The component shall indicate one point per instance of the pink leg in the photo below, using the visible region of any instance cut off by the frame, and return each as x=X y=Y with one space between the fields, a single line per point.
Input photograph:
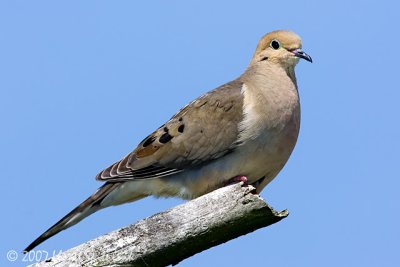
x=237 y=179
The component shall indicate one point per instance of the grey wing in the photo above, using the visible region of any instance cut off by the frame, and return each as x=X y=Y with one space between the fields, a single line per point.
x=204 y=130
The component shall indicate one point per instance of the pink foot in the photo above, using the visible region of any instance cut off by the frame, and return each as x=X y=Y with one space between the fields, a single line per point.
x=237 y=179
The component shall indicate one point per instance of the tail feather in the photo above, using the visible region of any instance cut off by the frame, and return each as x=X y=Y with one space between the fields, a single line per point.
x=87 y=207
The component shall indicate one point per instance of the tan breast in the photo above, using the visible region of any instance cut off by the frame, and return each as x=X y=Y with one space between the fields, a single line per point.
x=271 y=122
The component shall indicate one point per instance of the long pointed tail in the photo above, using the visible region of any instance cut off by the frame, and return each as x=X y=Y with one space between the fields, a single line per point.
x=87 y=207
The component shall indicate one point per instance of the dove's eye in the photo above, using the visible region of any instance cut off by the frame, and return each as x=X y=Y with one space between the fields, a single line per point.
x=275 y=44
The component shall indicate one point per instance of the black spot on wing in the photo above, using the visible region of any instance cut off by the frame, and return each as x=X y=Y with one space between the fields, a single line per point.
x=149 y=141
x=165 y=138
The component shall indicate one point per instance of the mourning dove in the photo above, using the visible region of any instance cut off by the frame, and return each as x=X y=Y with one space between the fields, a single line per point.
x=244 y=130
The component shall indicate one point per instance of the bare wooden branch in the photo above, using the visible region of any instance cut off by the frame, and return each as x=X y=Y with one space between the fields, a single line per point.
x=176 y=234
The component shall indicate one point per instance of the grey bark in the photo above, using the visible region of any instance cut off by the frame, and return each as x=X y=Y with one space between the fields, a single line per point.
x=169 y=237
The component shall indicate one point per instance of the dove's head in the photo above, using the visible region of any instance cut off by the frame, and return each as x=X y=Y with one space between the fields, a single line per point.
x=281 y=47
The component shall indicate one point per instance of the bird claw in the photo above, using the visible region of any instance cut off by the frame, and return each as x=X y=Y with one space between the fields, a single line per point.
x=237 y=179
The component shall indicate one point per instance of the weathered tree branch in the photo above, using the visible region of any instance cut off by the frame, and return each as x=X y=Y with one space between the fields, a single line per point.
x=176 y=234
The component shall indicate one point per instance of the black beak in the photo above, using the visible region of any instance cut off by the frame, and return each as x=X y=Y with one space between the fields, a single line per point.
x=301 y=54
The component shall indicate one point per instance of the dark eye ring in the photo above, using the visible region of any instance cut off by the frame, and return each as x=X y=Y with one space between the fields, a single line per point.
x=275 y=44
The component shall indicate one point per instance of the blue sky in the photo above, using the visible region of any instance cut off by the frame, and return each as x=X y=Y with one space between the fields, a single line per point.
x=83 y=82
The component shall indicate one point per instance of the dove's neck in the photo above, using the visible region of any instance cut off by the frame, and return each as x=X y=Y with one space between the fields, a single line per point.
x=271 y=76
x=268 y=68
